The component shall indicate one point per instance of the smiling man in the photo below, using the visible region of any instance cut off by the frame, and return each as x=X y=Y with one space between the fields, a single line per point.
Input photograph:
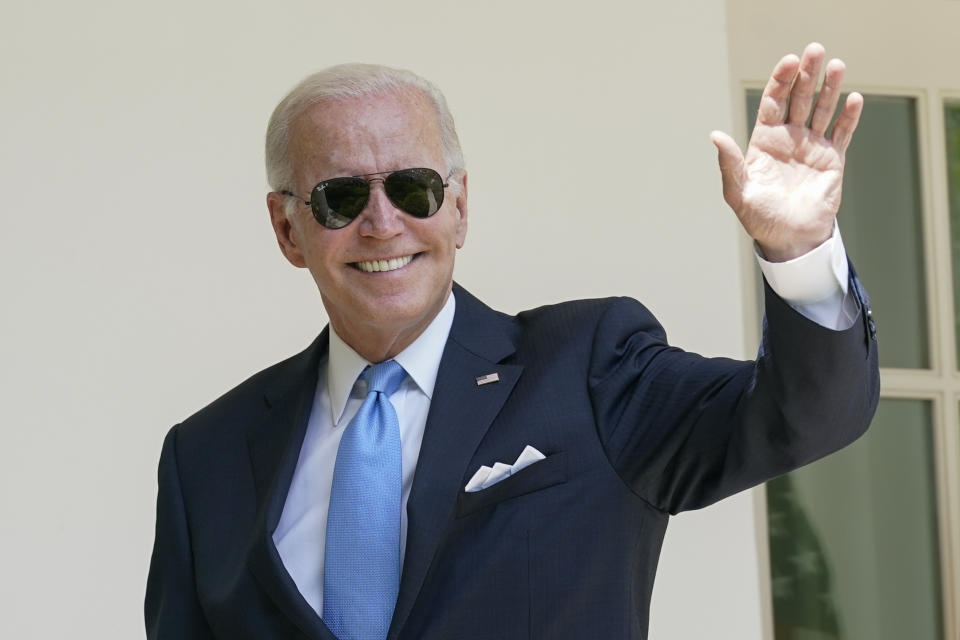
x=430 y=468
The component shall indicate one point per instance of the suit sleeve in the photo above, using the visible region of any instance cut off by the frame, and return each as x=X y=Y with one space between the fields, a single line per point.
x=171 y=608
x=684 y=431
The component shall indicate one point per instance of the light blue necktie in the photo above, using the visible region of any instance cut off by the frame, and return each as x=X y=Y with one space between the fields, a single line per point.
x=361 y=577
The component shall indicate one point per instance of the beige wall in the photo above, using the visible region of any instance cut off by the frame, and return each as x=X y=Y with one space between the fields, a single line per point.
x=886 y=43
x=141 y=279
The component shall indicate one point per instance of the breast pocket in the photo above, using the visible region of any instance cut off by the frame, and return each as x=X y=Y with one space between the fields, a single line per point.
x=542 y=474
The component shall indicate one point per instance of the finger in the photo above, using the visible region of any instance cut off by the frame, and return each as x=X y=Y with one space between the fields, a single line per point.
x=730 y=159
x=805 y=84
x=847 y=122
x=773 y=102
x=829 y=95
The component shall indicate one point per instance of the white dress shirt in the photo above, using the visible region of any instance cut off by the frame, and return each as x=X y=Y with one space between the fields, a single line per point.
x=814 y=284
x=301 y=534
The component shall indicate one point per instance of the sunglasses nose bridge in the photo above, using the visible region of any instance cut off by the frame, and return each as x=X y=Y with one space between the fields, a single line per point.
x=371 y=189
x=380 y=217
x=375 y=193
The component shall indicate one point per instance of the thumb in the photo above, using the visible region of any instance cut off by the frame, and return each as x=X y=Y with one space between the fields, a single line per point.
x=731 y=168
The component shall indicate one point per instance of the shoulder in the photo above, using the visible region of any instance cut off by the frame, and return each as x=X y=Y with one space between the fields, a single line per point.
x=582 y=328
x=598 y=318
x=570 y=315
x=255 y=395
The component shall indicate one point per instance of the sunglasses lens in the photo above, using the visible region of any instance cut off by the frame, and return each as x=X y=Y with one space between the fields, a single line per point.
x=338 y=201
x=419 y=192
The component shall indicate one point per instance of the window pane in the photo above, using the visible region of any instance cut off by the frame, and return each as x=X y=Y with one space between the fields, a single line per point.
x=951 y=117
x=880 y=219
x=853 y=537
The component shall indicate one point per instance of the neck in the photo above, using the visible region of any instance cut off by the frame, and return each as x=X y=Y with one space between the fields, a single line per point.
x=375 y=347
x=376 y=343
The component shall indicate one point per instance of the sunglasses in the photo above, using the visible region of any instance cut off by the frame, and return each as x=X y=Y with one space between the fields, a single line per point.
x=337 y=201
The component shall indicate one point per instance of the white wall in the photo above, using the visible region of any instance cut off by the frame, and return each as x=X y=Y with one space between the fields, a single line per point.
x=140 y=277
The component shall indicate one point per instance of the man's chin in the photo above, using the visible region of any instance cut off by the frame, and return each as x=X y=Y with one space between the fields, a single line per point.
x=385 y=314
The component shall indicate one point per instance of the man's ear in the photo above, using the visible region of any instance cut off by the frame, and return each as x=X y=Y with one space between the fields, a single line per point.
x=287 y=236
x=461 y=205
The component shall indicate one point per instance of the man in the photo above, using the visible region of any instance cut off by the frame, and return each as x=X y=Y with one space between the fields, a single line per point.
x=492 y=476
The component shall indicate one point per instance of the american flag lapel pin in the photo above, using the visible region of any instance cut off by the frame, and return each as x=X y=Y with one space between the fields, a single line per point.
x=487 y=379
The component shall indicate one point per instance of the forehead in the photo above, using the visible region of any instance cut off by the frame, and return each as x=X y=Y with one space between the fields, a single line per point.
x=381 y=132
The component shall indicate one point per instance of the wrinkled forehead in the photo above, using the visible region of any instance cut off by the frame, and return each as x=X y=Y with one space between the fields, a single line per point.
x=379 y=132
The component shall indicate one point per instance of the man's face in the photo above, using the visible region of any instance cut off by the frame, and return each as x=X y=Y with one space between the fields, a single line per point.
x=377 y=313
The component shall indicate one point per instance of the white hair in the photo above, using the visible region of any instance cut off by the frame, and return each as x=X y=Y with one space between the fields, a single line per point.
x=350 y=81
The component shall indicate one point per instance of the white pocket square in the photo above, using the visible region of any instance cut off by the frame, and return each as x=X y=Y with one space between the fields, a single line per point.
x=487 y=476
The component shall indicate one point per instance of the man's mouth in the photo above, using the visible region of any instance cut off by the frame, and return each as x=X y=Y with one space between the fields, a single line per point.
x=374 y=266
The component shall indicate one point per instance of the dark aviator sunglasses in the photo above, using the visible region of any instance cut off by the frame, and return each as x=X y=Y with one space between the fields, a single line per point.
x=337 y=201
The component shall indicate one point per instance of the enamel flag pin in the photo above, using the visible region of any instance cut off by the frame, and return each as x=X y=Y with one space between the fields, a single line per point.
x=487 y=379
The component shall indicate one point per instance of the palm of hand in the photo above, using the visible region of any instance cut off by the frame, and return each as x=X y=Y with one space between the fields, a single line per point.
x=792 y=184
x=786 y=190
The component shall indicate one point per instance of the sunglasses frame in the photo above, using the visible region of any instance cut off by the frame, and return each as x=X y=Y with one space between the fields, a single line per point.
x=323 y=184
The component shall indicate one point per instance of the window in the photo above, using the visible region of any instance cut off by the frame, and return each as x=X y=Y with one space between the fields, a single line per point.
x=860 y=542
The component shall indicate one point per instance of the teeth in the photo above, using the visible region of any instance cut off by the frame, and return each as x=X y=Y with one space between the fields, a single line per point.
x=372 y=266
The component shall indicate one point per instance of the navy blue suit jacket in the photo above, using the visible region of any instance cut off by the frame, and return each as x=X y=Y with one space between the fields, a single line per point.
x=633 y=430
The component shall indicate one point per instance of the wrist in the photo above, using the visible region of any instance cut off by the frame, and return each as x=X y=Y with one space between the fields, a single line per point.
x=792 y=250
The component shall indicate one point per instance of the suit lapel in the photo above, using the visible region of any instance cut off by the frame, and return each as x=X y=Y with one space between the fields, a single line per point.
x=461 y=411
x=274 y=445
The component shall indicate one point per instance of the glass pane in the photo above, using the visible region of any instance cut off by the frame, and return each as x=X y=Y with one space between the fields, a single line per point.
x=951 y=117
x=853 y=537
x=880 y=219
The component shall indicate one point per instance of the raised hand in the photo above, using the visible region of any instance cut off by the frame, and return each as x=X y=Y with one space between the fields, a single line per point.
x=786 y=189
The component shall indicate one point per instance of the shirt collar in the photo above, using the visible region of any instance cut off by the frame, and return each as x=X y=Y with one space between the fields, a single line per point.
x=421 y=360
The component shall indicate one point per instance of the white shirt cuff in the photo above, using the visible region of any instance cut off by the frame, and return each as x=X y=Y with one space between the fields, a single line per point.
x=815 y=284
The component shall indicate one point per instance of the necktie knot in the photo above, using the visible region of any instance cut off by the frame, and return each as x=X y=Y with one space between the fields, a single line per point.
x=384 y=377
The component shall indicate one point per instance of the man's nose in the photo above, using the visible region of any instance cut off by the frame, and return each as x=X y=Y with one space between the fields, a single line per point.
x=380 y=218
